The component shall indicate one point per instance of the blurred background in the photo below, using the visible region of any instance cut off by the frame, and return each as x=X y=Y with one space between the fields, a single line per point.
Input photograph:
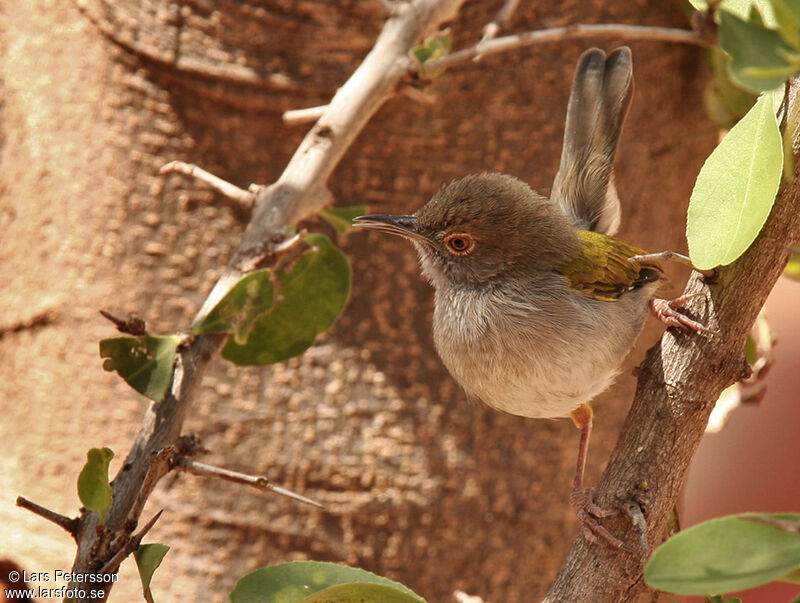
x=418 y=484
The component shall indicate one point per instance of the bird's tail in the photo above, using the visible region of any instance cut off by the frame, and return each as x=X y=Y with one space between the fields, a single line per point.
x=584 y=186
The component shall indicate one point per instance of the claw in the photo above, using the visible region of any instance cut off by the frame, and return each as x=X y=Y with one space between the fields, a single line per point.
x=588 y=512
x=667 y=312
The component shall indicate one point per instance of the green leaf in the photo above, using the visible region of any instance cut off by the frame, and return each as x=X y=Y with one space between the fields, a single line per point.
x=735 y=189
x=433 y=47
x=362 y=592
x=148 y=558
x=310 y=298
x=723 y=555
x=341 y=218
x=144 y=361
x=236 y=313
x=297 y=581
x=93 y=487
x=743 y=9
x=725 y=102
x=787 y=19
x=760 y=58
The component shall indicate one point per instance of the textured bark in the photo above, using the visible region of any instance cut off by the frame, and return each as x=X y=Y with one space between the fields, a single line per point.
x=367 y=422
x=679 y=382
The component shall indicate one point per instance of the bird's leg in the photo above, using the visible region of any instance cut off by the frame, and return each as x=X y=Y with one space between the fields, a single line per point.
x=581 y=499
x=667 y=312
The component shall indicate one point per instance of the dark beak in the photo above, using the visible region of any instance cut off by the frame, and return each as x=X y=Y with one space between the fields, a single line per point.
x=397 y=225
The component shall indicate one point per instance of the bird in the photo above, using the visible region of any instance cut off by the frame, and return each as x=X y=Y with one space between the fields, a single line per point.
x=536 y=303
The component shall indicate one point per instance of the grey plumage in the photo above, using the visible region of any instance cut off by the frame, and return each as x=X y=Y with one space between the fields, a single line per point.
x=584 y=185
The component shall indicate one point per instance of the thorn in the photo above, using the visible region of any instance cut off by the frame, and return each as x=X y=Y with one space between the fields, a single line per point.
x=133 y=325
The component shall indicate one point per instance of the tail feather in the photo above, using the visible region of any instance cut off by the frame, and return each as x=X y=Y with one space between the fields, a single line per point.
x=601 y=93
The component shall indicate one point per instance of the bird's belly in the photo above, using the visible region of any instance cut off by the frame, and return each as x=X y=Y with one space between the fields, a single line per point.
x=537 y=369
x=531 y=386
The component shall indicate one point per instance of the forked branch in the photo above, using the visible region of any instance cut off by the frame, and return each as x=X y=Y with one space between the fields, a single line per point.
x=679 y=382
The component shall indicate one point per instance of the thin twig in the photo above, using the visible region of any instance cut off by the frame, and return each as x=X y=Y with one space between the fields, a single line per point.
x=133 y=543
x=417 y=95
x=295 y=117
x=300 y=192
x=181 y=463
x=490 y=30
x=634 y=511
x=569 y=32
x=70 y=524
x=244 y=199
x=157 y=468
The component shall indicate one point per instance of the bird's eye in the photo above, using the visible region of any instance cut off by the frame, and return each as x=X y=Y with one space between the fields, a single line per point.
x=459 y=243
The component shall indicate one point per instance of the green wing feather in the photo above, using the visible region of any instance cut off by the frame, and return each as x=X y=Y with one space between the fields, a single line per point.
x=602 y=269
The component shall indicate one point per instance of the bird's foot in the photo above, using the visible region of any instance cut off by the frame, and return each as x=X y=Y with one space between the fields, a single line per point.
x=667 y=312
x=588 y=512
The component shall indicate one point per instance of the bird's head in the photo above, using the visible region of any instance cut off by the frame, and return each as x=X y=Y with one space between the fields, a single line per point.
x=483 y=228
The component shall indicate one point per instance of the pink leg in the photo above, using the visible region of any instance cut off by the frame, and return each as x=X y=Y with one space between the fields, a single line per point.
x=581 y=499
x=667 y=312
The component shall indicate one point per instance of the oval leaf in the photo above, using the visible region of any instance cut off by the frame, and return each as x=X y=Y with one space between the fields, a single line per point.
x=341 y=218
x=296 y=581
x=148 y=558
x=236 y=313
x=145 y=362
x=93 y=487
x=735 y=189
x=309 y=300
x=723 y=555
x=362 y=592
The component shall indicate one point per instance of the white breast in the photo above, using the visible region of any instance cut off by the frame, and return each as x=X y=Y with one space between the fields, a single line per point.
x=534 y=354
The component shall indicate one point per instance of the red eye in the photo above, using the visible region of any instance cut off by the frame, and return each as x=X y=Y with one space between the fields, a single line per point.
x=459 y=243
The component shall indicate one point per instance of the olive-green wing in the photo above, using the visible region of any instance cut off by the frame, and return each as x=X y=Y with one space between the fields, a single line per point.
x=602 y=269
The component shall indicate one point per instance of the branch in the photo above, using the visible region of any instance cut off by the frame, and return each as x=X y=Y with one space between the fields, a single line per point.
x=295 y=117
x=300 y=192
x=181 y=463
x=502 y=18
x=569 y=32
x=679 y=381
x=70 y=524
x=112 y=565
x=243 y=198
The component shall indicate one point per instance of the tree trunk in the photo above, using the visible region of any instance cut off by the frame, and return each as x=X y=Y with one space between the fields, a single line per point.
x=418 y=485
